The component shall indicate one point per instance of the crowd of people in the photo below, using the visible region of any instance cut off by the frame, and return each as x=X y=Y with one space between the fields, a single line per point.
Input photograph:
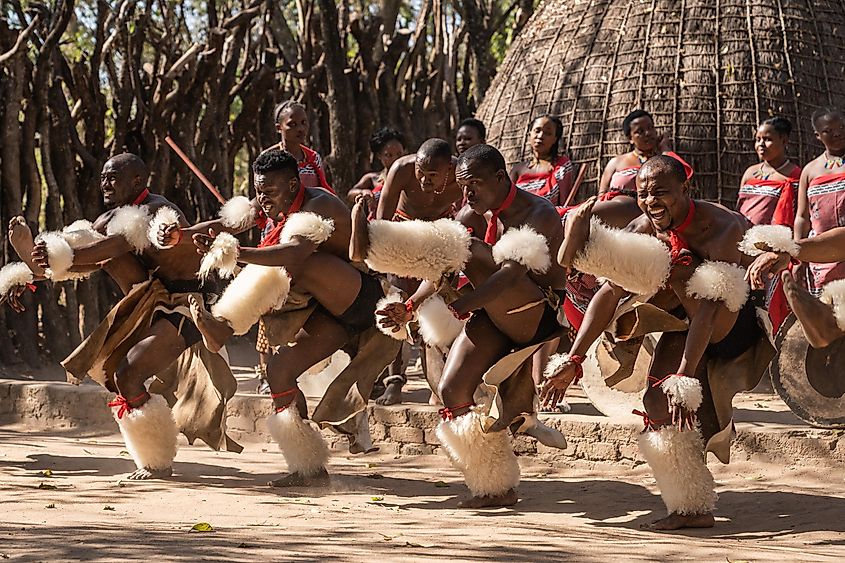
x=497 y=275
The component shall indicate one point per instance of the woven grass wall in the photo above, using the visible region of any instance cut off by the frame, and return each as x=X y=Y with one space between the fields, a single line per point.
x=708 y=70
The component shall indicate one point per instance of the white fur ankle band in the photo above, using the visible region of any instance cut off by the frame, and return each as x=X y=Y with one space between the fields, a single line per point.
x=765 y=238
x=833 y=294
x=164 y=217
x=222 y=256
x=13 y=275
x=132 y=222
x=149 y=432
x=682 y=391
x=302 y=446
x=423 y=250
x=636 y=262
x=305 y=224
x=719 y=281
x=237 y=213
x=524 y=246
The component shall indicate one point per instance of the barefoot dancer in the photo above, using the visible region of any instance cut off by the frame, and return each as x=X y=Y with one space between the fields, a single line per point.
x=309 y=248
x=821 y=192
x=471 y=132
x=146 y=332
x=419 y=186
x=722 y=326
x=513 y=306
x=823 y=317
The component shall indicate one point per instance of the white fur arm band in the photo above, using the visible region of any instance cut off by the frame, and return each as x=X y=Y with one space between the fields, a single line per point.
x=833 y=294
x=393 y=296
x=132 y=223
x=769 y=238
x=682 y=391
x=222 y=256
x=59 y=255
x=237 y=213
x=524 y=246
x=423 y=250
x=719 y=281
x=13 y=275
x=636 y=262
x=164 y=217
x=316 y=228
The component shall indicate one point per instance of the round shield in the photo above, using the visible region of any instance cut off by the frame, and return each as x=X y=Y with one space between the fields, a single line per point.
x=616 y=374
x=809 y=380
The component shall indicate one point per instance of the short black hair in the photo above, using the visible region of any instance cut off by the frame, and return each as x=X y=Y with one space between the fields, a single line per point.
x=824 y=112
x=130 y=162
x=665 y=163
x=380 y=138
x=285 y=106
x=781 y=125
x=434 y=149
x=476 y=124
x=485 y=155
x=275 y=160
x=558 y=132
x=629 y=119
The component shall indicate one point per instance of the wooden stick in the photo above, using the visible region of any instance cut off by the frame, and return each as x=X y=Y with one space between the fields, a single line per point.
x=581 y=172
x=194 y=169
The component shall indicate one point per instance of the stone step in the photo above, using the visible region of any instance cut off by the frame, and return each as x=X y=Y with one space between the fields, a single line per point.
x=409 y=429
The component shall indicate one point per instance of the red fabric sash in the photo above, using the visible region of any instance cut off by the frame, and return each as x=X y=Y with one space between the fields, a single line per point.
x=827 y=178
x=272 y=237
x=677 y=244
x=492 y=234
x=311 y=158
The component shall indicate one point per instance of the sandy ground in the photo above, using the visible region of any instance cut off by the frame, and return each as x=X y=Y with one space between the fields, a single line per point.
x=388 y=508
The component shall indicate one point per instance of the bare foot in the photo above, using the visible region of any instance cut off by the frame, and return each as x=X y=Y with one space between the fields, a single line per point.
x=392 y=394
x=145 y=473
x=215 y=332
x=543 y=433
x=20 y=236
x=576 y=233
x=434 y=400
x=509 y=498
x=677 y=521
x=815 y=317
x=321 y=479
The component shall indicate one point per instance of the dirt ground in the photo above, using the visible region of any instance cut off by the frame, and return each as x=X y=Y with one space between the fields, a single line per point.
x=63 y=499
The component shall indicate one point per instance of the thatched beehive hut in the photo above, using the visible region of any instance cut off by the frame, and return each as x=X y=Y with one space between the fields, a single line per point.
x=708 y=70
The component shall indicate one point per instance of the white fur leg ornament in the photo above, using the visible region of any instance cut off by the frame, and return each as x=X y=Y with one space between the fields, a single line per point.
x=524 y=246
x=81 y=233
x=438 y=326
x=683 y=391
x=150 y=433
x=393 y=297
x=486 y=459
x=768 y=238
x=255 y=291
x=636 y=262
x=423 y=250
x=164 y=217
x=238 y=213
x=222 y=256
x=677 y=460
x=305 y=224
x=833 y=294
x=59 y=256
x=304 y=449
x=13 y=275
x=719 y=281
x=132 y=223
